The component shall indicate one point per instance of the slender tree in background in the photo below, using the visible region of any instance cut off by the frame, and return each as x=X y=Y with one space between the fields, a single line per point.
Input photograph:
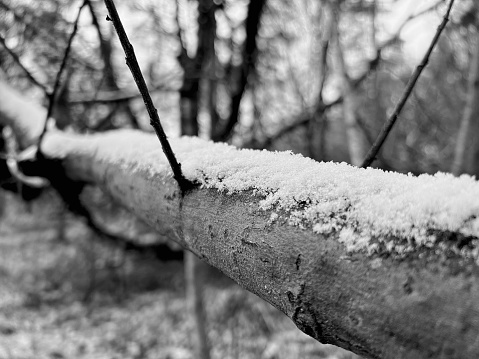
x=241 y=73
x=199 y=83
x=354 y=138
x=193 y=73
x=110 y=73
x=470 y=112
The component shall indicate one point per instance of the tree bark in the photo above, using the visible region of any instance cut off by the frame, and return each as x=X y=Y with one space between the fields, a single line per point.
x=423 y=305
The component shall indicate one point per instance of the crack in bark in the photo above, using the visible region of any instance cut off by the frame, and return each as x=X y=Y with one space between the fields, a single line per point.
x=298 y=261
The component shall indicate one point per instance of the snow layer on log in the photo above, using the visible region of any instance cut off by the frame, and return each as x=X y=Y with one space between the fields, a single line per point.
x=14 y=107
x=369 y=208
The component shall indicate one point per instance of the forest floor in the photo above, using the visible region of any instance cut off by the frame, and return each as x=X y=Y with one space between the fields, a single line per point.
x=74 y=297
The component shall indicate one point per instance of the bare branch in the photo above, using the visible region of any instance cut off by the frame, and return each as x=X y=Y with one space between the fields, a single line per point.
x=52 y=96
x=19 y=63
x=180 y=33
x=255 y=9
x=374 y=62
x=109 y=70
x=371 y=156
x=155 y=122
x=114 y=96
x=302 y=119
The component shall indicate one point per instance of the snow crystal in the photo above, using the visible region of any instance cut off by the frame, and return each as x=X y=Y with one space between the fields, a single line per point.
x=363 y=206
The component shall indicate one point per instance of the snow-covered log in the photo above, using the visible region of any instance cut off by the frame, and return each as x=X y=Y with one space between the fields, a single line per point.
x=382 y=264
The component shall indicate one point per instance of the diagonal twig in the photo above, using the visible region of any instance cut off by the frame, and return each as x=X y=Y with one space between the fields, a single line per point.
x=52 y=95
x=373 y=151
x=19 y=63
x=132 y=63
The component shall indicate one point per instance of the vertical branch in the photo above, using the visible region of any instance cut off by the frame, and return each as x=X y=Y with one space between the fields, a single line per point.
x=255 y=9
x=373 y=151
x=374 y=90
x=195 y=303
x=319 y=115
x=378 y=110
x=109 y=70
x=105 y=49
x=135 y=70
x=53 y=95
x=325 y=42
x=469 y=110
x=183 y=52
x=195 y=69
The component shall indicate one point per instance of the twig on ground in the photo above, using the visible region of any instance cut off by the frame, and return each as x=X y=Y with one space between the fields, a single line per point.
x=373 y=151
x=52 y=95
x=132 y=63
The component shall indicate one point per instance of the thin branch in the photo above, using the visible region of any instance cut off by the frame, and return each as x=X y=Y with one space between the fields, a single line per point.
x=134 y=67
x=371 y=156
x=302 y=119
x=323 y=63
x=19 y=63
x=105 y=50
x=114 y=96
x=374 y=62
x=370 y=140
x=52 y=96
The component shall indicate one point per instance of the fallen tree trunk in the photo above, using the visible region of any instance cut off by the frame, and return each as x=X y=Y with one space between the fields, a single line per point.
x=382 y=264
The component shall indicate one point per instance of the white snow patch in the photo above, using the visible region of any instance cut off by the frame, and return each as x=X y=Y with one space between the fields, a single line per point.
x=359 y=204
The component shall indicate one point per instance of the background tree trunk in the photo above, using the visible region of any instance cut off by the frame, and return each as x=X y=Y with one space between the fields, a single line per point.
x=353 y=132
x=471 y=110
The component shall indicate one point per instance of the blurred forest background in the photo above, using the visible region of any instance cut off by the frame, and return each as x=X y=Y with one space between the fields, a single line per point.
x=315 y=77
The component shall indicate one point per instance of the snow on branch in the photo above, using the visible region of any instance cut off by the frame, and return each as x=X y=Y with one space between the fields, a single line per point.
x=370 y=209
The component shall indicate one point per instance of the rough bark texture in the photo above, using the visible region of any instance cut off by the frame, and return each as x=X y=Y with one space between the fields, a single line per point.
x=421 y=306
